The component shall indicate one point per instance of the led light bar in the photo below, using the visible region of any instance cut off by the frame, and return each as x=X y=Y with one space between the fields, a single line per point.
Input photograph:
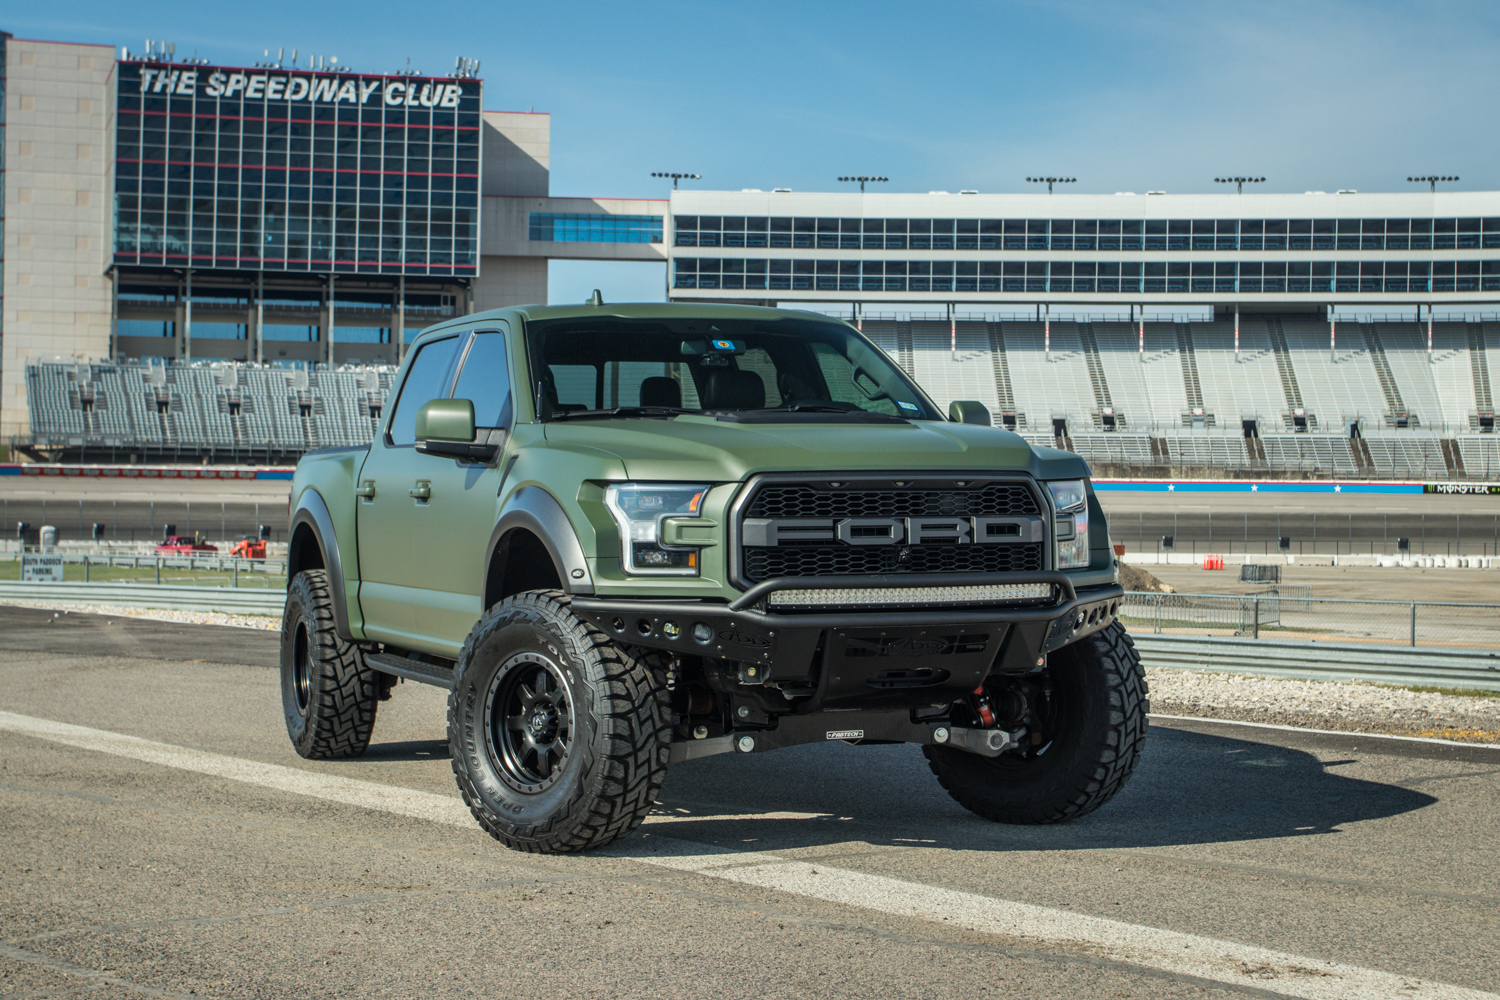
x=984 y=593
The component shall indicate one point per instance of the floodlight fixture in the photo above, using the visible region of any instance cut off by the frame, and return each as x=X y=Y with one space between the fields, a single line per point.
x=677 y=177
x=863 y=179
x=1239 y=182
x=1049 y=181
x=1433 y=180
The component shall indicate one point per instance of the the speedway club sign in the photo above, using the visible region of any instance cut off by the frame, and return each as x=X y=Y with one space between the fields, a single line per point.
x=306 y=88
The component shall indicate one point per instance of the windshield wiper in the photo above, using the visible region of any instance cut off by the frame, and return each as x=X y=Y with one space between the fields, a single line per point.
x=814 y=408
x=621 y=411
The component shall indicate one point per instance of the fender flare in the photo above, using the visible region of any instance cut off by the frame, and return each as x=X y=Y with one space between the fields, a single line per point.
x=538 y=511
x=312 y=511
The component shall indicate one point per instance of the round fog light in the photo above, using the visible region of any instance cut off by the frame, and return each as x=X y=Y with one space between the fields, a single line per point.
x=702 y=632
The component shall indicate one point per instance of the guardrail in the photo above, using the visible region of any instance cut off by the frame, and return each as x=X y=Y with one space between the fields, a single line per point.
x=229 y=600
x=1322 y=661
x=1270 y=615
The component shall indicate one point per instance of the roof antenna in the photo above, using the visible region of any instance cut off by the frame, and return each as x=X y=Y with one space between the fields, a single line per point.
x=596 y=299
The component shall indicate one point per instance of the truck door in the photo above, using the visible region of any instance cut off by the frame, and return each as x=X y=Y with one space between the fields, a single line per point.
x=389 y=498
x=451 y=531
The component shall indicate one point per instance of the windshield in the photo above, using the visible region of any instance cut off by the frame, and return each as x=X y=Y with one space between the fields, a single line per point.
x=695 y=365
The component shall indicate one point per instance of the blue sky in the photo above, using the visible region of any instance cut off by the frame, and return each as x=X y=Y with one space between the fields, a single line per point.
x=947 y=96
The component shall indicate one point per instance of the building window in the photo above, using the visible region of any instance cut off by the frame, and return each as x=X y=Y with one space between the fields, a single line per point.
x=562 y=227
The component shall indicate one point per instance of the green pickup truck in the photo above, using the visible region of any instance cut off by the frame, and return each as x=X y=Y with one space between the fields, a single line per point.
x=627 y=536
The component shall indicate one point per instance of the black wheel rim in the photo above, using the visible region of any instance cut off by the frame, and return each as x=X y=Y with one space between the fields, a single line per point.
x=529 y=722
x=302 y=669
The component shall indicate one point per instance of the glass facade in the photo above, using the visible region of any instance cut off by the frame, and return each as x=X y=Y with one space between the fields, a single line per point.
x=561 y=227
x=296 y=171
x=1088 y=235
x=1145 y=277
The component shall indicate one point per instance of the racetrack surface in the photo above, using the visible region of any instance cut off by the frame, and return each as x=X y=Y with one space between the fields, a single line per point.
x=205 y=856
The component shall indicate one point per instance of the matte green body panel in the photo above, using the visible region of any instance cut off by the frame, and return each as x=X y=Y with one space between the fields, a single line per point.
x=573 y=460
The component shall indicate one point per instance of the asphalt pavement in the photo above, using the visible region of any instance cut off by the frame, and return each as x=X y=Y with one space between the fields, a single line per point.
x=158 y=836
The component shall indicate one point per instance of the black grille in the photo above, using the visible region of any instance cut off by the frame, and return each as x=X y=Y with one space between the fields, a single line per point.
x=925 y=499
x=868 y=560
x=809 y=500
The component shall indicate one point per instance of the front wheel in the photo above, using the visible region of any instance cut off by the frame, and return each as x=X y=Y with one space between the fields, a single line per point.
x=559 y=738
x=1087 y=725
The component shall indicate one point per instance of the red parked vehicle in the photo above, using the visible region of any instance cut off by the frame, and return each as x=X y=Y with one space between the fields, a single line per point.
x=183 y=545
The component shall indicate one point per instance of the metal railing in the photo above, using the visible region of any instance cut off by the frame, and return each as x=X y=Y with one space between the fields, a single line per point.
x=1299 y=618
x=258 y=573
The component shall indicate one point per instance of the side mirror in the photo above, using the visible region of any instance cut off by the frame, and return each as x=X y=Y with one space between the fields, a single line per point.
x=446 y=427
x=964 y=411
x=446 y=420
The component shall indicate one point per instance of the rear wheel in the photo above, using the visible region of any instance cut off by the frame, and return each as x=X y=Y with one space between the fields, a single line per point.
x=1087 y=725
x=559 y=738
x=328 y=694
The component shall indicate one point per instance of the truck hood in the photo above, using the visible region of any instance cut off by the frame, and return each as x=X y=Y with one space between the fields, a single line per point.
x=697 y=448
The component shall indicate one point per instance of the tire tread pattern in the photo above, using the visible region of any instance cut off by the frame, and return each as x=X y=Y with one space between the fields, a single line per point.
x=346 y=690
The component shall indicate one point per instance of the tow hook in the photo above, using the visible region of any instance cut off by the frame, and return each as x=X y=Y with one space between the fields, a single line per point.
x=985 y=742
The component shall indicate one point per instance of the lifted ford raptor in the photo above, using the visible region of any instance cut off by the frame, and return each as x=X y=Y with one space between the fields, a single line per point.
x=627 y=536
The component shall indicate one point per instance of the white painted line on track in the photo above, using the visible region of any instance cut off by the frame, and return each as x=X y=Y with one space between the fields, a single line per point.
x=1114 y=940
x=444 y=809
x=1323 y=732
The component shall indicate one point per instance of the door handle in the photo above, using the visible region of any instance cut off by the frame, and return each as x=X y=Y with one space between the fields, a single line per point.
x=366 y=489
x=422 y=491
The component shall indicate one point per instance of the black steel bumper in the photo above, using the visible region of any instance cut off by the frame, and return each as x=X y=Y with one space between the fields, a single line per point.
x=870 y=658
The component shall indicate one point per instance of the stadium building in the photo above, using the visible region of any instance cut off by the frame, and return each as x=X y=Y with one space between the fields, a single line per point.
x=167 y=210
x=217 y=262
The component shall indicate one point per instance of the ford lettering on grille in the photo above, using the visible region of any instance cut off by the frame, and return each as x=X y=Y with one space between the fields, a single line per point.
x=764 y=532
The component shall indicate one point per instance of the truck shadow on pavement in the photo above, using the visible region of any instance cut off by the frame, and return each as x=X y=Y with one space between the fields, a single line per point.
x=1190 y=788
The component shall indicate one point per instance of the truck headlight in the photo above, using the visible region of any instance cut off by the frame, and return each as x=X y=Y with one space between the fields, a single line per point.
x=1072 y=526
x=638 y=510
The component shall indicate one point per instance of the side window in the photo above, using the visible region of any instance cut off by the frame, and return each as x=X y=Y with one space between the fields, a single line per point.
x=485 y=379
x=426 y=378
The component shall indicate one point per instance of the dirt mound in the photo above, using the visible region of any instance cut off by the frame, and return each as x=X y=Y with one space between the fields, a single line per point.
x=1135 y=578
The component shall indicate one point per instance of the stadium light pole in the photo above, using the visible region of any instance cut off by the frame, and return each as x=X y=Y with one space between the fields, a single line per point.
x=676 y=176
x=863 y=179
x=1049 y=181
x=1239 y=182
x=1432 y=181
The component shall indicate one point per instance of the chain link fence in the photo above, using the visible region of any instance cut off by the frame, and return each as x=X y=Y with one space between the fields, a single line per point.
x=1283 y=613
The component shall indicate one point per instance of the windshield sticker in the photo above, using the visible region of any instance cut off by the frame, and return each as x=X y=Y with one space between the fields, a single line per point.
x=908 y=406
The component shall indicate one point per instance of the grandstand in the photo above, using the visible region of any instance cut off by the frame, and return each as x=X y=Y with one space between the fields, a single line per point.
x=201 y=412
x=1377 y=405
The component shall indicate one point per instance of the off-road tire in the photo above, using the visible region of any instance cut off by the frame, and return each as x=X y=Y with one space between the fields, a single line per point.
x=328 y=693
x=1104 y=706
x=618 y=735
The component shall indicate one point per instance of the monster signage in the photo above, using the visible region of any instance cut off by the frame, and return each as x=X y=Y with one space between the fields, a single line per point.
x=310 y=88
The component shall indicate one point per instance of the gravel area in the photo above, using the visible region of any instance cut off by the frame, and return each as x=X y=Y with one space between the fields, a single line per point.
x=1339 y=705
x=261 y=622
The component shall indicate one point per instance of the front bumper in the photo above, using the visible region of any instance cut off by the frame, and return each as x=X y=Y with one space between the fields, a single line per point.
x=869 y=659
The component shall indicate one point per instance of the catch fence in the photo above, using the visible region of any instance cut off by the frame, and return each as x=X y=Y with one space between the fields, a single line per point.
x=1291 y=614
